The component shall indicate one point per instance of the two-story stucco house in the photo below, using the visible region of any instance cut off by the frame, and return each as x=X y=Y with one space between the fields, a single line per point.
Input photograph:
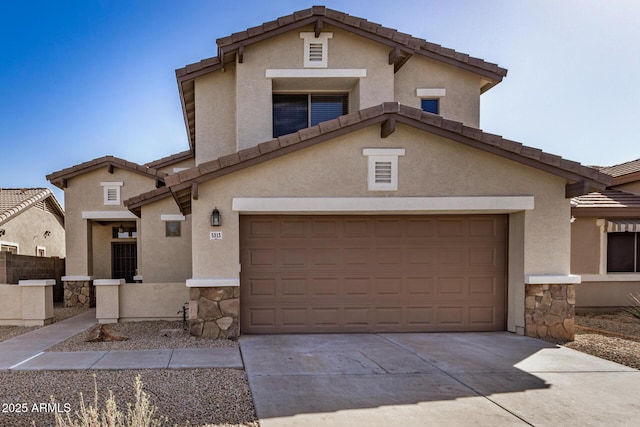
x=336 y=181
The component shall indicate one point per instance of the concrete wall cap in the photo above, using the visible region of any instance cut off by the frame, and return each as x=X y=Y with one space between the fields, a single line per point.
x=552 y=279
x=76 y=278
x=108 y=282
x=42 y=282
x=212 y=282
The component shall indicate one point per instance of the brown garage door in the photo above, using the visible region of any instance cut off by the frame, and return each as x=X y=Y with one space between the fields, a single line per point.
x=372 y=273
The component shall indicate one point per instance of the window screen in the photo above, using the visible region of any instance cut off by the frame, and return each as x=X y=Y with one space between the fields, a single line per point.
x=292 y=112
x=622 y=252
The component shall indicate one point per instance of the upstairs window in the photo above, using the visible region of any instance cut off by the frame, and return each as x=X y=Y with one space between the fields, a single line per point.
x=430 y=99
x=292 y=112
x=430 y=105
x=623 y=252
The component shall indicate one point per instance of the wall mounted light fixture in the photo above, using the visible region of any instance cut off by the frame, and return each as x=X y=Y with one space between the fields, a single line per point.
x=216 y=218
x=2 y=231
x=46 y=234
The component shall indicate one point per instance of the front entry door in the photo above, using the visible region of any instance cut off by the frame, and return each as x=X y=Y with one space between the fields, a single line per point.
x=124 y=261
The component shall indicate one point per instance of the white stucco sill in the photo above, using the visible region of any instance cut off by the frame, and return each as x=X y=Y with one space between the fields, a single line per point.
x=76 y=278
x=611 y=277
x=470 y=204
x=212 y=282
x=43 y=282
x=108 y=215
x=108 y=282
x=552 y=279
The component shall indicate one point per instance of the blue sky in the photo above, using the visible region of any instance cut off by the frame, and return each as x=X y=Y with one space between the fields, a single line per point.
x=83 y=79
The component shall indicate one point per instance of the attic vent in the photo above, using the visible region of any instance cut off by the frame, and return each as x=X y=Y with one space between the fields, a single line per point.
x=111 y=192
x=315 y=52
x=316 y=49
x=383 y=172
x=383 y=168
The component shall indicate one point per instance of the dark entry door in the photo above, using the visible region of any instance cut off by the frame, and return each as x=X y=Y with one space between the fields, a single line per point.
x=124 y=261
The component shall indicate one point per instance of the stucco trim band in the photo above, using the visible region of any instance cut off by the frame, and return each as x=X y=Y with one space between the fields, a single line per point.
x=552 y=279
x=620 y=277
x=108 y=215
x=302 y=73
x=212 y=282
x=169 y=217
x=486 y=204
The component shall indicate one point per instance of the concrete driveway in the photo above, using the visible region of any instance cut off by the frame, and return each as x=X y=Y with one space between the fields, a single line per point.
x=457 y=379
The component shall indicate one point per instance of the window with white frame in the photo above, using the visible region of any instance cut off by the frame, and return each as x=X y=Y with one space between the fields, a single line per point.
x=430 y=99
x=9 y=247
x=111 y=192
x=41 y=251
x=382 y=168
x=316 y=49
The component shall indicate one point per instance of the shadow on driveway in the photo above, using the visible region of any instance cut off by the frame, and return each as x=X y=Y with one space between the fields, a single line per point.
x=433 y=379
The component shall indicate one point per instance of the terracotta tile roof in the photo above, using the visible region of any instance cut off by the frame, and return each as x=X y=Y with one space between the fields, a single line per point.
x=372 y=30
x=606 y=203
x=405 y=44
x=170 y=160
x=16 y=200
x=60 y=178
x=623 y=168
x=134 y=204
x=387 y=113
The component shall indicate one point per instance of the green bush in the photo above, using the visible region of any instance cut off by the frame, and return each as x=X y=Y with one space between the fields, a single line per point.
x=140 y=414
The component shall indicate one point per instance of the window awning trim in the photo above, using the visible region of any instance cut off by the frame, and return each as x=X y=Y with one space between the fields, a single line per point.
x=623 y=225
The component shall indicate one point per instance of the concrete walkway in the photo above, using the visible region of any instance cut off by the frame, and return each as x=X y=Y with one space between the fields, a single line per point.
x=455 y=379
x=27 y=352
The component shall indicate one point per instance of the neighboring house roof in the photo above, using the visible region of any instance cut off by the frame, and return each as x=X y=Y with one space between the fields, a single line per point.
x=403 y=45
x=170 y=160
x=14 y=201
x=624 y=172
x=59 y=179
x=183 y=185
x=606 y=203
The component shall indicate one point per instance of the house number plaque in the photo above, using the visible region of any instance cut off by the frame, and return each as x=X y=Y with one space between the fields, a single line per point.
x=215 y=235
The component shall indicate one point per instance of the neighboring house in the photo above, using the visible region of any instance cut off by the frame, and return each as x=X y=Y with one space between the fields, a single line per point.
x=31 y=222
x=337 y=181
x=605 y=240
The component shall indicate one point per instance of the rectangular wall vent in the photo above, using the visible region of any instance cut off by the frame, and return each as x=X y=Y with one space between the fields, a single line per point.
x=383 y=172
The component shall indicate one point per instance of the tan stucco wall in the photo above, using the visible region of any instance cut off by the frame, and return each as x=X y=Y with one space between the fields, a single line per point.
x=432 y=166
x=246 y=87
x=152 y=301
x=632 y=187
x=215 y=98
x=27 y=230
x=11 y=305
x=164 y=259
x=462 y=100
x=84 y=193
x=603 y=296
x=585 y=246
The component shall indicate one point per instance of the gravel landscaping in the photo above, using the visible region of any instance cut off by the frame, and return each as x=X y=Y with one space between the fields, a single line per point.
x=612 y=336
x=190 y=397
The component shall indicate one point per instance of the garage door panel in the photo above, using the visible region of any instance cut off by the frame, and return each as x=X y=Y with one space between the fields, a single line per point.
x=367 y=274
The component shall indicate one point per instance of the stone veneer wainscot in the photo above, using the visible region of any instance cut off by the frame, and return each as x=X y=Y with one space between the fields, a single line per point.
x=79 y=291
x=550 y=308
x=214 y=311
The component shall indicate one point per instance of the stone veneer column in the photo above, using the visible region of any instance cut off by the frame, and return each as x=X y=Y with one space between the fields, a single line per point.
x=79 y=291
x=550 y=311
x=214 y=309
